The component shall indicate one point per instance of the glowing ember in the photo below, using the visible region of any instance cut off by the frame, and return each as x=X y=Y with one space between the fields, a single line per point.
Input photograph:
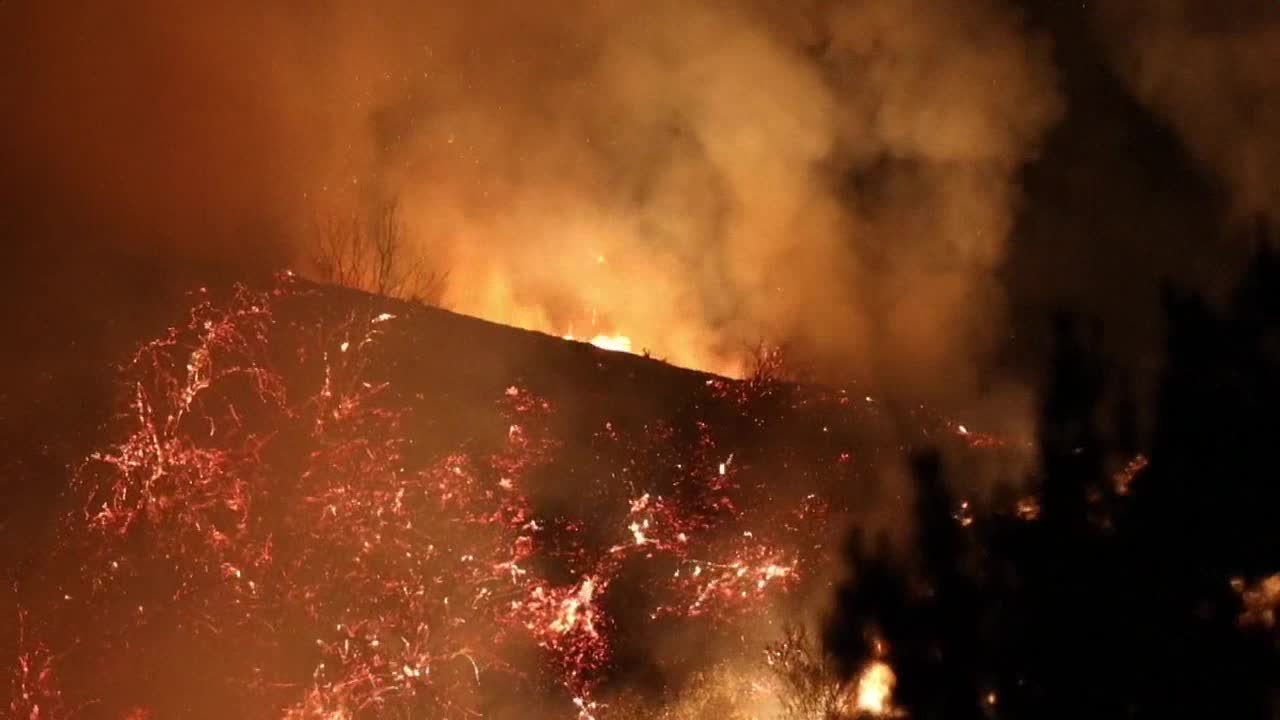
x=1261 y=601
x=576 y=612
x=1125 y=477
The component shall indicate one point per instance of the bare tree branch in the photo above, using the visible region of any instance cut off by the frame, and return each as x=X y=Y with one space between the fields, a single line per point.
x=377 y=256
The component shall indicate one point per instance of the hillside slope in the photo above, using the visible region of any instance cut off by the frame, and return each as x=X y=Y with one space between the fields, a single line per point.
x=328 y=504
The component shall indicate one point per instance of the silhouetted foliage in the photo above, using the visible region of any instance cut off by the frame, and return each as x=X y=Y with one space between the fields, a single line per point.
x=810 y=686
x=377 y=256
x=1116 y=586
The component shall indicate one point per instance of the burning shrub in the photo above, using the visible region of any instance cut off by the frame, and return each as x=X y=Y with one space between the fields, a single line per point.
x=272 y=520
x=273 y=532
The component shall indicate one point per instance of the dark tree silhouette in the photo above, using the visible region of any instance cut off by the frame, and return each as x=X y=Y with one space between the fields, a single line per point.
x=1102 y=595
x=376 y=255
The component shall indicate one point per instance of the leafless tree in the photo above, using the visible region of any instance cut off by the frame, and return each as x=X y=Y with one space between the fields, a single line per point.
x=376 y=255
x=808 y=684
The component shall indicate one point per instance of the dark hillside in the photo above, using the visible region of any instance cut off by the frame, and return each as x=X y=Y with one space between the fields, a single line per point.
x=330 y=504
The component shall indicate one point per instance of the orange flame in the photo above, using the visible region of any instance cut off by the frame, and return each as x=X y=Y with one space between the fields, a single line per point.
x=875 y=689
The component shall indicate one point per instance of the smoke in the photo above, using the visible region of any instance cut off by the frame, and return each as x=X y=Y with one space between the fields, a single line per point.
x=838 y=176
x=701 y=175
x=1212 y=71
x=697 y=175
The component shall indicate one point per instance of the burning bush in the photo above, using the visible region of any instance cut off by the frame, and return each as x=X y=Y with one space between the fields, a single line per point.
x=277 y=531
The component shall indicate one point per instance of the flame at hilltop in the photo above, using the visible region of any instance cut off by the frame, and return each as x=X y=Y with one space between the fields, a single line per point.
x=617 y=343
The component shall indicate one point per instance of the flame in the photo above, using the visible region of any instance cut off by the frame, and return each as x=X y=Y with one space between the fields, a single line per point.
x=616 y=343
x=875 y=689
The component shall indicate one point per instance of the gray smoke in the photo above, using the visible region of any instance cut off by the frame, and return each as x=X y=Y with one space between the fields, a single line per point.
x=1212 y=71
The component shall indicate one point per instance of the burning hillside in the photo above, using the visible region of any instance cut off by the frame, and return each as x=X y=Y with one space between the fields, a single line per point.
x=1007 y=469
x=316 y=503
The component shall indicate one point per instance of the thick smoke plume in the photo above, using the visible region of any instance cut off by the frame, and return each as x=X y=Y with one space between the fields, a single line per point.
x=696 y=175
x=1212 y=71
x=702 y=175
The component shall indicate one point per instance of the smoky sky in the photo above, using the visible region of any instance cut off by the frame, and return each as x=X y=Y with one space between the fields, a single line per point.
x=898 y=189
